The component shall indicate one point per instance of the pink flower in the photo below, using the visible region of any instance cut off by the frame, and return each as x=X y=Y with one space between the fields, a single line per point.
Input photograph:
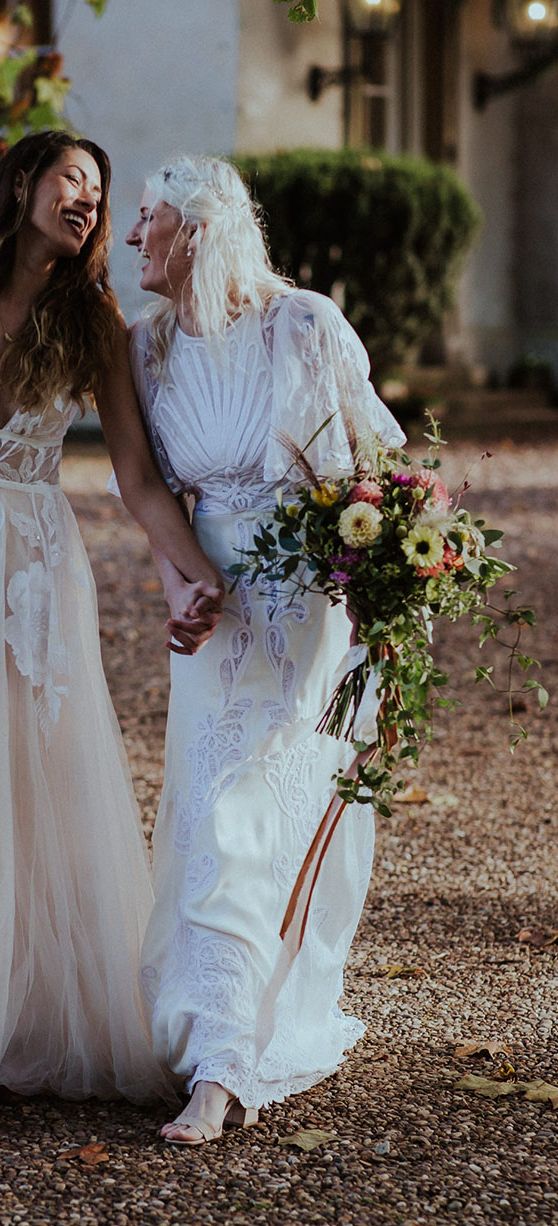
x=450 y=561
x=367 y=491
x=404 y=479
x=340 y=576
x=439 y=494
x=430 y=572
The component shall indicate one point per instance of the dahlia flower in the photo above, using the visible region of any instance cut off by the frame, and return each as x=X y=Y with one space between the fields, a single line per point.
x=360 y=524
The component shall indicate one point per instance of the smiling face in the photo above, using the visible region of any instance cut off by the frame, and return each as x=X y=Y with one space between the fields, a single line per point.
x=162 y=238
x=63 y=208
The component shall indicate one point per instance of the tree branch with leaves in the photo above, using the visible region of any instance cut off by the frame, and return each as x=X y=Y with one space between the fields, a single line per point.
x=33 y=87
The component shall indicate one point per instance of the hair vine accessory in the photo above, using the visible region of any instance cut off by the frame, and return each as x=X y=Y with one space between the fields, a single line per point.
x=172 y=175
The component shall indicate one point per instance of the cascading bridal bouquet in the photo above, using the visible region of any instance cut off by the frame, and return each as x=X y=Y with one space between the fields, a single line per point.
x=390 y=542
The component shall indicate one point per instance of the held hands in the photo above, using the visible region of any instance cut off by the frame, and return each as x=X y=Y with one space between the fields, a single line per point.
x=196 y=609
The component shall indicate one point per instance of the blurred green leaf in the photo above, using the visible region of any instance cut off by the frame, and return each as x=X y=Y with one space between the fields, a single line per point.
x=22 y=16
x=11 y=69
x=51 y=91
x=301 y=10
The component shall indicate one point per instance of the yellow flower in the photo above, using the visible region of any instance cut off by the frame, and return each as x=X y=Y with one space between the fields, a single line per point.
x=292 y=509
x=424 y=546
x=360 y=524
x=326 y=494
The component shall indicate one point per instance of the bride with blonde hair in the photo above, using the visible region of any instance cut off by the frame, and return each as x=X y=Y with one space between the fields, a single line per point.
x=232 y=359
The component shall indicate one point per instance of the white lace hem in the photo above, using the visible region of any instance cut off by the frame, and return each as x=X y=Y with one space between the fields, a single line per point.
x=253 y=1090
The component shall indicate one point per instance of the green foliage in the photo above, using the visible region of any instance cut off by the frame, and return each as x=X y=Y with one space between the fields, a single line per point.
x=300 y=10
x=32 y=86
x=51 y=92
x=11 y=70
x=22 y=16
x=393 y=230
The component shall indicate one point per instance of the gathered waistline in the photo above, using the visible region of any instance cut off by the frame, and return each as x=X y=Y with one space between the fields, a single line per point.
x=42 y=487
x=255 y=513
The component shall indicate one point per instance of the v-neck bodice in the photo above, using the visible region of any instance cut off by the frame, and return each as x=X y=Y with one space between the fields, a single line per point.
x=31 y=442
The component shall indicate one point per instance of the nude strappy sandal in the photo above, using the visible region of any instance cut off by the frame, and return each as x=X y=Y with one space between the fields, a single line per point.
x=236 y=1116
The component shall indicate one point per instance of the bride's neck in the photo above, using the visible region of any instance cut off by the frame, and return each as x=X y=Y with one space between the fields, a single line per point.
x=184 y=304
x=31 y=270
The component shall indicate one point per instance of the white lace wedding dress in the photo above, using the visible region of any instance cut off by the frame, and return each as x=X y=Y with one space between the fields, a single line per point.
x=75 y=892
x=247 y=778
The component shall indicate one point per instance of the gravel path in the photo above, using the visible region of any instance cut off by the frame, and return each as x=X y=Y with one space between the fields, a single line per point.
x=456 y=878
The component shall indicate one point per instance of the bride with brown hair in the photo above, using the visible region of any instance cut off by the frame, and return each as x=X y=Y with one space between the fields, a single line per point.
x=75 y=893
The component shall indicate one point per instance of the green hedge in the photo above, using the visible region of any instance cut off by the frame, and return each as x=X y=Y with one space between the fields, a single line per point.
x=394 y=230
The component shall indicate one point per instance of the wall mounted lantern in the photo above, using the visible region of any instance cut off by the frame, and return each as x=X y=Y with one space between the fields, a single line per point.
x=533 y=29
x=362 y=20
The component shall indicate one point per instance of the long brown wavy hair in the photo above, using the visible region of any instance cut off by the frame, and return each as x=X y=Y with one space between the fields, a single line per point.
x=68 y=338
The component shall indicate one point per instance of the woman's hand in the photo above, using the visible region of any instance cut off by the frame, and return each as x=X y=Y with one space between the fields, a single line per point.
x=196 y=609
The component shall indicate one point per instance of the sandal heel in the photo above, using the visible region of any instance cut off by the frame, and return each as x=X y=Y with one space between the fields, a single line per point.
x=241 y=1117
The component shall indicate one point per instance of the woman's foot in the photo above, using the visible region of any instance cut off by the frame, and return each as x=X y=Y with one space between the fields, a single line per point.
x=203 y=1118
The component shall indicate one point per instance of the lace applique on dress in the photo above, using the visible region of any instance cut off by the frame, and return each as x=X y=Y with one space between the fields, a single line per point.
x=33 y=634
x=30 y=450
x=282 y=608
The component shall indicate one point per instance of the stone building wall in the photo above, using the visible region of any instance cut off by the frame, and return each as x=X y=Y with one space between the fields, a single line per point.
x=151 y=80
x=536 y=282
x=487 y=164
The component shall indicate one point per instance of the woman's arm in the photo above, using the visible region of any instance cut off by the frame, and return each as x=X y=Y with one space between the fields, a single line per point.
x=143 y=490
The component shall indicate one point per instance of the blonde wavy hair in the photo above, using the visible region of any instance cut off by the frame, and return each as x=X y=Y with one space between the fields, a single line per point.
x=68 y=338
x=231 y=269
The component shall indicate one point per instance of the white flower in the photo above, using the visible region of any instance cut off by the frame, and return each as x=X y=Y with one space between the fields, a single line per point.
x=27 y=629
x=369 y=449
x=436 y=516
x=423 y=546
x=360 y=524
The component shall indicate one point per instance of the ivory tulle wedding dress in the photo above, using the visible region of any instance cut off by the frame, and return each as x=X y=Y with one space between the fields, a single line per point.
x=247 y=778
x=75 y=893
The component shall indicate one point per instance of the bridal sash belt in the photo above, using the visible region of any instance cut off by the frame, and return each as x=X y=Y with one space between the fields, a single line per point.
x=42 y=487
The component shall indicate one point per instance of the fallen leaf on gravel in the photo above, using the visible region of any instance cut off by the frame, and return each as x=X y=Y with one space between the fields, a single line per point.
x=487 y=1087
x=542 y=1092
x=539 y=938
x=399 y=972
x=535 y=1091
x=413 y=795
x=307 y=1138
x=484 y=1047
x=90 y=1155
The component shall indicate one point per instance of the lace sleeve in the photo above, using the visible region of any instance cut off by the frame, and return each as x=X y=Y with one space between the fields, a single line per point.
x=147 y=391
x=320 y=370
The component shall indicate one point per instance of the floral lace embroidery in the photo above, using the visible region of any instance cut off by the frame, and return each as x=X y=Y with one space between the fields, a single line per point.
x=33 y=633
x=215 y=974
x=219 y=745
x=282 y=608
x=30 y=449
